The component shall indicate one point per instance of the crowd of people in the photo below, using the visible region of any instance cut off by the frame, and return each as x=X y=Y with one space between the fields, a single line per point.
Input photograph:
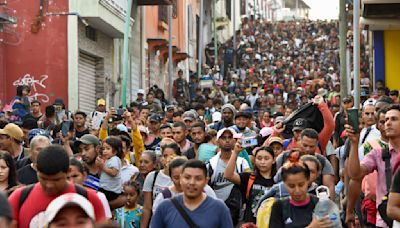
x=245 y=147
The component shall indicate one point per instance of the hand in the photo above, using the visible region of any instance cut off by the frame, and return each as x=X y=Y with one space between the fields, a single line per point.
x=100 y=162
x=321 y=223
x=351 y=134
x=238 y=147
x=350 y=219
x=318 y=100
x=111 y=113
x=279 y=128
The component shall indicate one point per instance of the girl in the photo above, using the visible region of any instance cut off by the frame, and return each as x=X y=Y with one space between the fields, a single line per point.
x=77 y=174
x=8 y=174
x=157 y=181
x=110 y=164
x=300 y=204
x=130 y=215
x=252 y=185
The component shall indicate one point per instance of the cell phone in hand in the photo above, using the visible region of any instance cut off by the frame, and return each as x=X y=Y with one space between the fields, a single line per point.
x=248 y=142
x=353 y=119
x=65 y=128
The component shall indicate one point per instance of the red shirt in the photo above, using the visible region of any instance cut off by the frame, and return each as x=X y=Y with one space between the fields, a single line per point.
x=31 y=214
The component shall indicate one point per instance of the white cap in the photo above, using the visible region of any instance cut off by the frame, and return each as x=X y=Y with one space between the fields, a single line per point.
x=122 y=127
x=369 y=102
x=68 y=199
x=216 y=117
x=266 y=131
x=140 y=91
x=221 y=132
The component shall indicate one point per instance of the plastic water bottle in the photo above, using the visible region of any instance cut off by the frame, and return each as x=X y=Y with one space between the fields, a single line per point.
x=326 y=207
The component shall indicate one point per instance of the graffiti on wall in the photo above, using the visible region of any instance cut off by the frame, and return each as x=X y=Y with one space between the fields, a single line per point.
x=36 y=85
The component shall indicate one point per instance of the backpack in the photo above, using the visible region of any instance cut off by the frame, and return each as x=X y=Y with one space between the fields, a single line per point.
x=28 y=189
x=382 y=207
x=154 y=181
x=252 y=178
x=264 y=211
x=234 y=202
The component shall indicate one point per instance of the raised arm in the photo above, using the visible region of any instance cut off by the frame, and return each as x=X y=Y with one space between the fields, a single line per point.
x=230 y=173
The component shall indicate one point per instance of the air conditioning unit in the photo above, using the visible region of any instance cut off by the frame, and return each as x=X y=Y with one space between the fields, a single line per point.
x=380 y=9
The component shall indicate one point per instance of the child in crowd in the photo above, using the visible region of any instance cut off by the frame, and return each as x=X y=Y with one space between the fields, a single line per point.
x=130 y=215
x=110 y=178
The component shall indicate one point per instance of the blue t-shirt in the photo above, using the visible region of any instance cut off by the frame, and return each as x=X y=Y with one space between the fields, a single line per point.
x=211 y=213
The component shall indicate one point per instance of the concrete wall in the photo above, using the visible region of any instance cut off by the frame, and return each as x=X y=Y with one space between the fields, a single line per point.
x=37 y=59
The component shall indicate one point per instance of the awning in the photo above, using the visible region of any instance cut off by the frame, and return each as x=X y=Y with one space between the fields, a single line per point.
x=154 y=2
x=180 y=56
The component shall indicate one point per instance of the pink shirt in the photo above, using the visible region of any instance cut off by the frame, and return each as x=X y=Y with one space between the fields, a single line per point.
x=373 y=161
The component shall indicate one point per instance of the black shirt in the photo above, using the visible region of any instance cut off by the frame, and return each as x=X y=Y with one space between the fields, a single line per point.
x=27 y=175
x=259 y=188
x=294 y=216
x=79 y=134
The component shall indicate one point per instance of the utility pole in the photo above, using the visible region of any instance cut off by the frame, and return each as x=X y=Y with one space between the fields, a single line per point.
x=343 y=47
x=125 y=54
x=234 y=34
x=356 y=52
x=215 y=33
x=200 y=51
x=170 y=61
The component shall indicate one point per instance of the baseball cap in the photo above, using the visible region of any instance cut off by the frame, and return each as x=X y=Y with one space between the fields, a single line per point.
x=122 y=127
x=5 y=208
x=101 y=101
x=223 y=130
x=87 y=139
x=155 y=118
x=169 y=107
x=299 y=124
x=65 y=200
x=36 y=132
x=266 y=131
x=216 y=117
x=279 y=119
x=58 y=101
x=189 y=115
x=140 y=91
x=369 y=102
x=13 y=131
x=275 y=140
x=243 y=114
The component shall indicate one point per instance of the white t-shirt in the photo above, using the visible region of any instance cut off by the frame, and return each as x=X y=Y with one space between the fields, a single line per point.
x=162 y=182
x=222 y=187
x=127 y=171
